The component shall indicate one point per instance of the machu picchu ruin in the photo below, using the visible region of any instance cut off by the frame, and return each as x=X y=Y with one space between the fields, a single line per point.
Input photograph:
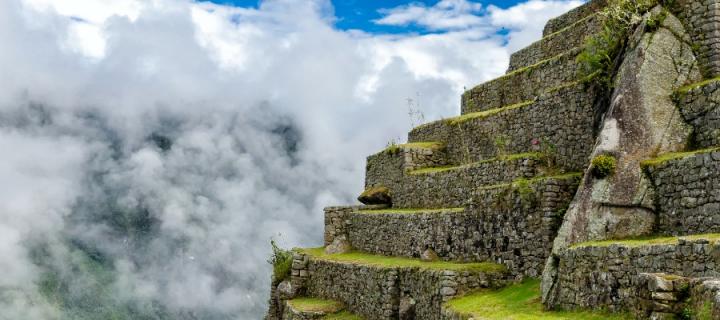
x=582 y=184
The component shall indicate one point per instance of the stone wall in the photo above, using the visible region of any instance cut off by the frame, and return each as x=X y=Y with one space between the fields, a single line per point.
x=388 y=167
x=608 y=276
x=571 y=130
x=556 y=43
x=705 y=298
x=687 y=193
x=699 y=107
x=572 y=16
x=511 y=225
x=376 y=292
x=521 y=85
x=702 y=18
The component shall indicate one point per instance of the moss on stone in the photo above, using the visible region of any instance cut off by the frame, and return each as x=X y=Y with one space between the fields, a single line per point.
x=510 y=157
x=412 y=211
x=395 y=148
x=487 y=113
x=603 y=166
x=519 y=302
x=528 y=182
x=685 y=89
x=362 y=258
x=343 y=315
x=674 y=156
x=647 y=241
x=315 y=305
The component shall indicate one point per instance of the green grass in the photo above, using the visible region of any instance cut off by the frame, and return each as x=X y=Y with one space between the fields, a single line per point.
x=674 y=156
x=487 y=113
x=366 y=259
x=510 y=157
x=395 y=148
x=647 y=241
x=685 y=89
x=316 y=305
x=519 y=302
x=412 y=211
x=525 y=182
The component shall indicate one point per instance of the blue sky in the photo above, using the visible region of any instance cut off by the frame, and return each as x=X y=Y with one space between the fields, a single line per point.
x=359 y=14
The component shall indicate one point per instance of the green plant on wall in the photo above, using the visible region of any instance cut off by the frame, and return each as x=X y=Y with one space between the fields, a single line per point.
x=501 y=145
x=603 y=166
x=281 y=260
x=598 y=58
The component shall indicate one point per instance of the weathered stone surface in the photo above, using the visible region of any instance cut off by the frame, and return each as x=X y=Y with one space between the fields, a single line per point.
x=339 y=245
x=407 y=309
x=703 y=20
x=429 y=255
x=572 y=16
x=700 y=106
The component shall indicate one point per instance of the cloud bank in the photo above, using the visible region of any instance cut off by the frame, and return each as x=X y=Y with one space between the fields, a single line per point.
x=152 y=148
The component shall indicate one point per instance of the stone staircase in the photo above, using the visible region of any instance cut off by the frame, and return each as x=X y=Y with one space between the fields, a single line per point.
x=475 y=203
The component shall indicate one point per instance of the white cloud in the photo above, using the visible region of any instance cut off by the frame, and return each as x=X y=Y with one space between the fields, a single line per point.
x=270 y=113
x=445 y=15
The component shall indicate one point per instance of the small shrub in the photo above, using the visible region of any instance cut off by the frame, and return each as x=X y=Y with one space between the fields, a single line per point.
x=281 y=260
x=603 y=166
x=392 y=147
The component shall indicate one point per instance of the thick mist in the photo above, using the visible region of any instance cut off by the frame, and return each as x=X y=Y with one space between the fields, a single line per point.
x=151 y=149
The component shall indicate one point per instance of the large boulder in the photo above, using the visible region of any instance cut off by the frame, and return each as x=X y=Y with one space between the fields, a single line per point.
x=339 y=245
x=642 y=121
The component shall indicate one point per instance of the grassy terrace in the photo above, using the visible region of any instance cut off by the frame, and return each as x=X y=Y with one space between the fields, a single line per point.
x=366 y=259
x=511 y=157
x=412 y=211
x=487 y=113
x=684 y=90
x=525 y=182
x=394 y=148
x=647 y=241
x=519 y=302
x=674 y=156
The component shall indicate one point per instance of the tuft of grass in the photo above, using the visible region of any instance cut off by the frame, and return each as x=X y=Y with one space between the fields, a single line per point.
x=674 y=156
x=603 y=166
x=685 y=89
x=520 y=302
x=646 y=241
x=413 y=211
x=527 y=182
x=362 y=258
x=395 y=148
x=510 y=157
x=316 y=305
x=281 y=261
x=487 y=113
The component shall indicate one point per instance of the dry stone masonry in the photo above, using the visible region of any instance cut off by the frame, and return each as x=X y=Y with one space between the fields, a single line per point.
x=509 y=189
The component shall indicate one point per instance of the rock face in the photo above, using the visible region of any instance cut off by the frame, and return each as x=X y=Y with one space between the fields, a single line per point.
x=339 y=245
x=375 y=196
x=641 y=122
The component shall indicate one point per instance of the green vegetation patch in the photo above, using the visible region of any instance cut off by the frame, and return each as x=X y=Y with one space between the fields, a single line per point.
x=603 y=166
x=510 y=157
x=519 y=302
x=316 y=305
x=487 y=113
x=526 y=182
x=412 y=211
x=685 y=89
x=674 y=156
x=395 y=148
x=281 y=261
x=367 y=259
x=647 y=241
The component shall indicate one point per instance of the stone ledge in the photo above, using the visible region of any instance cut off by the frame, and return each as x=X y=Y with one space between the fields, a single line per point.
x=687 y=191
x=556 y=43
x=606 y=274
x=523 y=84
x=563 y=117
x=377 y=286
x=311 y=309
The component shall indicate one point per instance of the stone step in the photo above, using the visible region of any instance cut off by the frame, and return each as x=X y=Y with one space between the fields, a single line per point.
x=517 y=301
x=573 y=36
x=687 y=191
x=513 y=224
x=699 y=105
x=559 y=123
x=381 y=287
x=451 y=187
x=303 y=308
x=607 y=274
x=523 y=84
x=569 y=18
